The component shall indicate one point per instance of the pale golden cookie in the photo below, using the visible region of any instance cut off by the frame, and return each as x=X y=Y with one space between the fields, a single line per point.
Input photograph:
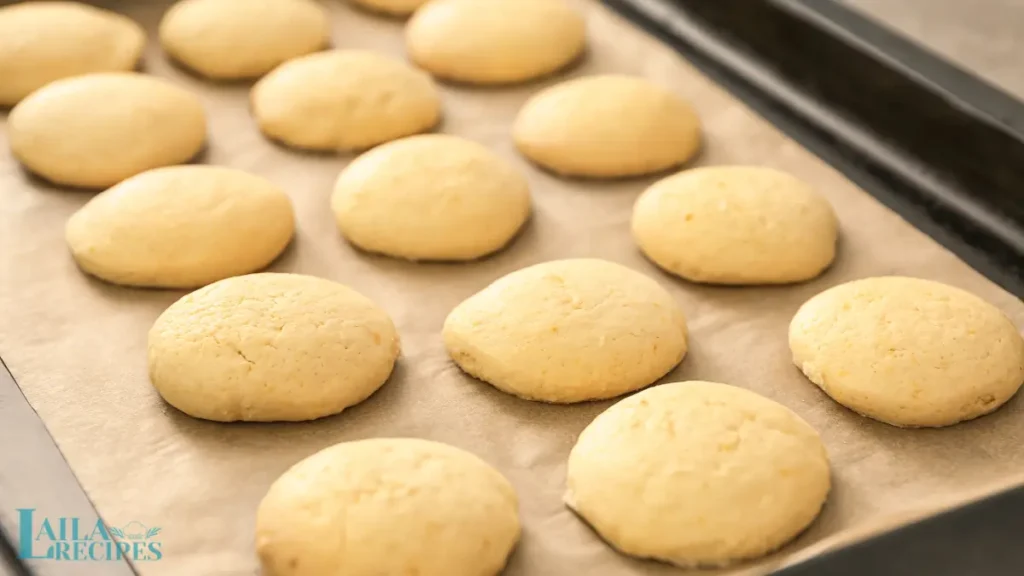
x=908 y=352
x=181 y=227
x=698 y=474
x=388 y=506
x=271 y=347
x=344 y=100
x=45 y=41
x=494 y=41
x=238 y=39
x=736 y=225
x=568 y=331
x=392 y=7
x=94 y=131
x=606 y=127
x=432 y=197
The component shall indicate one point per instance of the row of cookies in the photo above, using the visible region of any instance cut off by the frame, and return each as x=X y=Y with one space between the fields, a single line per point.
x=287 y=347
x=461 y=40
x=569 y=331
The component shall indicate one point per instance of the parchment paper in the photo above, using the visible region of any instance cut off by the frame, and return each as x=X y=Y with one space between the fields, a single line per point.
x=77 y=345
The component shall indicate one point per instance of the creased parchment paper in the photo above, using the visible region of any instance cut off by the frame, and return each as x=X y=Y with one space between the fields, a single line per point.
x=77 y=346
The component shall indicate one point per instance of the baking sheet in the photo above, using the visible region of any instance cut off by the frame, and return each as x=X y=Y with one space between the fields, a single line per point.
x=77 y=345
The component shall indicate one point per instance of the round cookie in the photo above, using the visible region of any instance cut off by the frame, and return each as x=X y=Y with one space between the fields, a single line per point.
x=181 y=227
x=344 y=100
x=391 y=7
x=388 y=506
x=270 y=347
x=607 y=126
x=94 y=131
x=496 y=41
x=431 y=197
x=736 y=225
x=45 y=41
x=698 y=474
x=568 y=331
x=239 y=39
x=908 y=352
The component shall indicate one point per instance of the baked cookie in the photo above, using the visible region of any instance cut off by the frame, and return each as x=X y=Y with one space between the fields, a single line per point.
x=239 y=39
x=181 y=227
x=94 y=131
x=607 y=127
x=45 y=41
x=698 y=474
x=344 y=100
x=495 y=42
x=270 y=347
x=736 y=225
x=431 y=197
x=388 y=506
x=391 y=7
x=568 y=331
x=908 y=352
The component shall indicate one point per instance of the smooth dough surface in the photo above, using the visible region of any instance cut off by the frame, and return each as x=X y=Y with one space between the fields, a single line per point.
x=607 y=126
x=495 y=41
x=270 y=347
x=568 y=331
x=736 y=225
x=431 y=197
x=181 y=227
x=94 y=131
x=388 y=506
x=45 y=41
x=907 y=351
x=392 y=7
x=344 y=100
x=698 y=474
x=237 y=39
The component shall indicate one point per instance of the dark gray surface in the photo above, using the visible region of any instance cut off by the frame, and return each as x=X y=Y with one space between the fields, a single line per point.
x=33 y=474
x=981 y=540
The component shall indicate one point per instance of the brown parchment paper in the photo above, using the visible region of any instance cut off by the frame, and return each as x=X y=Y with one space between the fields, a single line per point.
x=77 y=345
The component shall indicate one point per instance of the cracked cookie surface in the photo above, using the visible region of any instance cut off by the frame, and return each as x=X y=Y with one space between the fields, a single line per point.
x=388 y=506
x=568 y=331
x=271 y=347
x=907 y=351
x=698 y=474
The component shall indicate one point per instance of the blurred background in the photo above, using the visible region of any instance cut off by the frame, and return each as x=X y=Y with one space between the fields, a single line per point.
x=984 y=36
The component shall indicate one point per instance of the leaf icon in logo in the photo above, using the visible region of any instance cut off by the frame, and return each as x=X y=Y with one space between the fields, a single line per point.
x=116 y=532
x=152 y=532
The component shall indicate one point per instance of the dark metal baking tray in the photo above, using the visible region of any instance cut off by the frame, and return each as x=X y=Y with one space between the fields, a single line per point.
x=935 y=144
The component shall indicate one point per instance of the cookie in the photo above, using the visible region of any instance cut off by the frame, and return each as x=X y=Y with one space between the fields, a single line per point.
x=41 y=42
x=399 y=505
x=270 y=347
x=736 y=225
x=698 y=474
x=94 y=131
x=607 y=126
x=568 y=331
x=494 y=42
x=391 y=7
x=240 y=39
x=907 y=351
x=431 y=197
x=181 y=227
x=344 y=100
